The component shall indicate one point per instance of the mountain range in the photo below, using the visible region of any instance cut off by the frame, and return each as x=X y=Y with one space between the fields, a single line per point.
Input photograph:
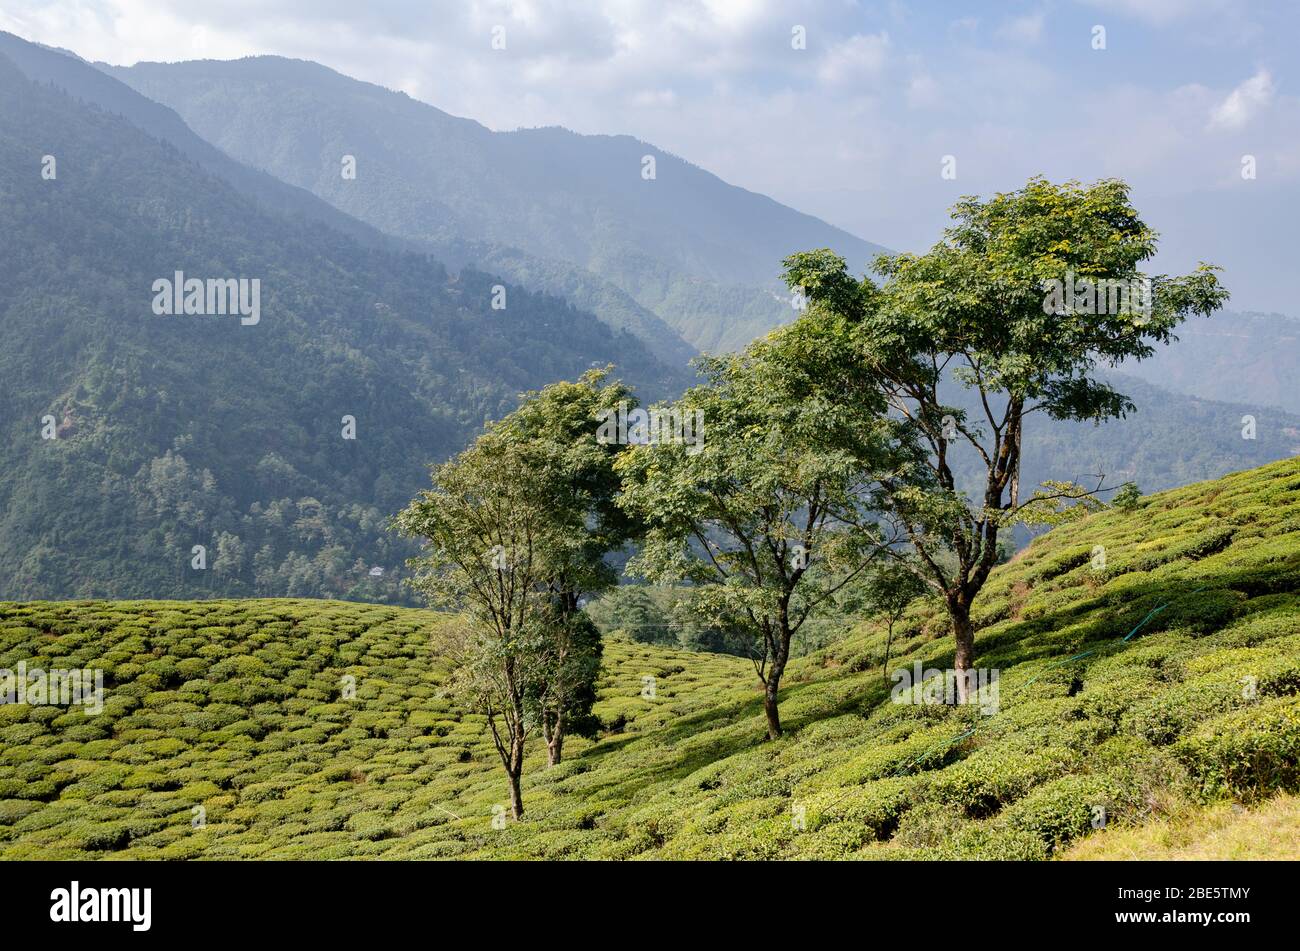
x=377 y=299
x=571 y=215
x=1235 y=357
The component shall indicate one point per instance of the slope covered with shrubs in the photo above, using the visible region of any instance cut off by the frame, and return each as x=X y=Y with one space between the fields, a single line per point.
x=1149 y=667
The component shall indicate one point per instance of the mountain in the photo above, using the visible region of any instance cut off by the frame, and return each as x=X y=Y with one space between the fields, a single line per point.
x=1244 y=358
x=130 y=437
x=470 y=192
x=65 y=70
x=1156 y=690
x=702 y=255
x=178 y=432
x=1171 y=440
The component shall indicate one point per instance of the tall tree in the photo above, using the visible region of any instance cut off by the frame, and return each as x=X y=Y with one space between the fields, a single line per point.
x=769 y=514
x=555 y=429
x=1027 y=293
x=518 y=528
x=490 y=528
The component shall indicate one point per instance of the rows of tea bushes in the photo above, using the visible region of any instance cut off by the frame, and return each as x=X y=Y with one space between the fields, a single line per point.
x=229 y=729
x=239 y=729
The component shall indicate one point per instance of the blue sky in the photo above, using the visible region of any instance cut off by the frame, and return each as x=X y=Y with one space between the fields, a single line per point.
x=852 y=128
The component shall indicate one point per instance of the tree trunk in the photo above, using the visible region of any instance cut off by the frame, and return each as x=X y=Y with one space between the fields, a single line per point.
x=889 y=642
x=772 y=682
x=964 y=632
x=515 y=759
x=769 y=707
x=516 y=797
x=555 y=741
x=515 y=770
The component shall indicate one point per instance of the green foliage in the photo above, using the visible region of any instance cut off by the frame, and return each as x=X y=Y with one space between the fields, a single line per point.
x=1127 y=498
x=632 y=611
x=669 y=615
x=517 y=530
x=985 y=781
x=1248 y=753
x=766 y=507
x=972 y=311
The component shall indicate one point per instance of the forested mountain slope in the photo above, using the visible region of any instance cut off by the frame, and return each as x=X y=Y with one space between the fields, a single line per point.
x=130 y=438
x=1246 y=358
x=66 y=71
x=702 y=255
x=191 y=431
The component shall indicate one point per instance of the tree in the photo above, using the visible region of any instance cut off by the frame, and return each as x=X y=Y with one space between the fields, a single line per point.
x=490 y=526
x=696 y=631
x=231 y=555
x=517 y=529
x=563 y=692
x=769 y=514
x=994 y=308
x=630 y=608
x=887 y=590
x=555 y=431
x=1127 y=498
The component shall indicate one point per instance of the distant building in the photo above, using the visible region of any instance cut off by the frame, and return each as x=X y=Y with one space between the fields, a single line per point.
x=376 y=572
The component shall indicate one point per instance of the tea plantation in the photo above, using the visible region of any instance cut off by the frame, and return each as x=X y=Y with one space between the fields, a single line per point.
x=314 y=729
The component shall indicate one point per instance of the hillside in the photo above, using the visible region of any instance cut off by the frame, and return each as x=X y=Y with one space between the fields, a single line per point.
x=701 y=255
x=68 y=72
x=171 y=432
x=1159 y=687
x=1236 y=357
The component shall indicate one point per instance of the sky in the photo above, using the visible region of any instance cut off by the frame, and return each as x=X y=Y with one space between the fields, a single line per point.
x=846 y=109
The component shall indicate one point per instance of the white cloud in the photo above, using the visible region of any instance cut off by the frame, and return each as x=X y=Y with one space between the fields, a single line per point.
x=1025 y=29
x=654 y=98
x=858 y=58
x=1161 y=12
x=1244 y=102
x=922 y=92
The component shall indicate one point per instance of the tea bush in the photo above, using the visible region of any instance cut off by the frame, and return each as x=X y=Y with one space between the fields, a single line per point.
x=226 y=733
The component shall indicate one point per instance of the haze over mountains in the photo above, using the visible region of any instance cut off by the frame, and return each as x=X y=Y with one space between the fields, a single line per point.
x=702 y=255
x=376 y=304
x=1235 y=357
